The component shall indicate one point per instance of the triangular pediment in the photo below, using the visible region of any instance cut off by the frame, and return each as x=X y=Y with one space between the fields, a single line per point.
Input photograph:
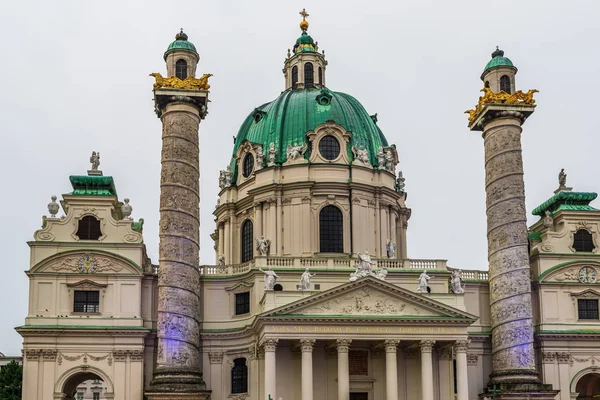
x=370 y=297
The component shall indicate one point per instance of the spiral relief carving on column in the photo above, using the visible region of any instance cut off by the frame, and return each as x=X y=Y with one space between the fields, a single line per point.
x=179 y=278
x=510 y=288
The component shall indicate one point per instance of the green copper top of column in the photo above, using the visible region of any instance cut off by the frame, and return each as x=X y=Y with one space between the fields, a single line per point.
x=566 y=200
x=181 y=43
x=90 y=185
x=498 y=60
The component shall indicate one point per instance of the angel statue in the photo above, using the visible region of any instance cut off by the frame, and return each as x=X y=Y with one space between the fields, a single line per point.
x=361 y=154
x=262 y=245
x=294 y=152
x=95 y=160
x=270 y=278
x=260 y=156
x=389 y=160
x=423 y=279
x=391 y=249
x=380 y=158
x=456 y=283
x=271 y=152
x=365 y=262
x=225 y=178
x=305 y=280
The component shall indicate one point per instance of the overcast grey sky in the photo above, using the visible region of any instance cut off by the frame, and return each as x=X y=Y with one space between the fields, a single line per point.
x=75 y=79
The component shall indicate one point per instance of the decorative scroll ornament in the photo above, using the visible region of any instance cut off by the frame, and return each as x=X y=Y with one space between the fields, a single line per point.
x=501 y=97
x=190 y=82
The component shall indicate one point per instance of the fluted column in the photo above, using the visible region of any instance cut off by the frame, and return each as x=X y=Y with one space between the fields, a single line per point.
x=178 y=277
x=221 y=241
x=508 y=254
x=227 y=241
x=307 y=346
x=462 y=380
x=270 y=346
x=426 y=369
x=343 y=346
x=391 y=370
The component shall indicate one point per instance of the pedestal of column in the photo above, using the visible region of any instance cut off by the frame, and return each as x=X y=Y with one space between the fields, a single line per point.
x=426 y=369
x=391 y=370
x=343 y=346
x=270 y=346
x=307 y=346
x=462 y=380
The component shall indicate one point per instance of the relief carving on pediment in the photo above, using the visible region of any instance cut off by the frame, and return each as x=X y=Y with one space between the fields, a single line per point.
x=365 y=301
x=85 y=264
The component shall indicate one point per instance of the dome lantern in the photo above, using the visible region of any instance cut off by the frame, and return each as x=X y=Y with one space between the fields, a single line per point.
x=499 y=73
x=181 y=57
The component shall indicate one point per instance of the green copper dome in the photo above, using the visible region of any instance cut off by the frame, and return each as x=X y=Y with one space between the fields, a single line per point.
x=286 y=120
x=304 y=44
x=180 y=43
x=498 y=60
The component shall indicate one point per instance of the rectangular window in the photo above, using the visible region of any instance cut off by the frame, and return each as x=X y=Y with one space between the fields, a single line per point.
x=242 y=303
x=86 y=301
x=359 y=362
x=96 y=396
x=588 y=309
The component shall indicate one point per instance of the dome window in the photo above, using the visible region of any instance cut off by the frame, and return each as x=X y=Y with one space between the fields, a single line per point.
x=583 y=241
x=258 y=115
x=324 y=98
x=329 y=147
x=248 y=165
x=331 y=230
x=505 y=84
x=247 y=248
x=181 y=69
x=295 y=77
x=309 y=76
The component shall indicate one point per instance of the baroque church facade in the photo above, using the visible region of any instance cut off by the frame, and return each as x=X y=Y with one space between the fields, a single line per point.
x=311 y=295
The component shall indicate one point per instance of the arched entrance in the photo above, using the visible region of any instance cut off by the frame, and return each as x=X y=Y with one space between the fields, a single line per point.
x=85 y=383
x=588 y=387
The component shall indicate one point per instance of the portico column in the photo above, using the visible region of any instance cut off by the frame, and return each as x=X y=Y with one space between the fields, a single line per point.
x=307 y=346
x=343 y=345
x=462 y=381
x=426 y=369
x=391 y=370
x=270 y=345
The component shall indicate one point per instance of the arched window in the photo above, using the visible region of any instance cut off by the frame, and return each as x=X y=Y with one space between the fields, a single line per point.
x=505 y=83
x=309 y=75
x=181 y=69
x=331 y=230
x=239 y=376
x=320 y=76
x=248 y=165
x=588 y=386
x=295 y=77
x=247 y=237
x=329 y=147
x=89 y=228
x=582 y=241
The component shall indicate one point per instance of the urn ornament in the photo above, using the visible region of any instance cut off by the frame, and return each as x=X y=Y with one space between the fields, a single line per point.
x=53 y=207
x=126 y=209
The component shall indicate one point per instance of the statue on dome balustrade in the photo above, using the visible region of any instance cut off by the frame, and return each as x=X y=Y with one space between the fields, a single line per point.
x=391 y=249
x=271 y=152
x=423 y=280
x=361 y=154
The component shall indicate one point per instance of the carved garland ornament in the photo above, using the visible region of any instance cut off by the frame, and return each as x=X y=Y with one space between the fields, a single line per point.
x=84 y=357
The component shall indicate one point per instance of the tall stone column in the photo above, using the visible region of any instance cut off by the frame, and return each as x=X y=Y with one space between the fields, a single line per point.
x=343 y=346
x=391 y=370
x=270 y=346
x=307 y=346
x=426 y=369
x=462 y=380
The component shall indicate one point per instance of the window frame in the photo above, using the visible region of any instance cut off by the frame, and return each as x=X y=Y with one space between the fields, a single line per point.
x=92 y=223
x=244 y=306
x=178 y=64
x=294 y=77
x=243 y=379
x=338 y=217
x=248 y=165
x=588 y=236
x=87 y=302
x=503 y=81
x=586 y=317
x=246 y=241
x=309 y=75
x=339 y=147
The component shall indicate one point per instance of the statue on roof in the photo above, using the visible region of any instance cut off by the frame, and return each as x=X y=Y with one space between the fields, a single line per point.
x=400 y=182
x=225 y=178
x=271 y=152
x=389 y=160
x=361 y=155
x=305 y=280
x=296 y=151
x=423 y=280
x=95 y=160
x=260 y=157
x=270 y=278
x=390 y=249
x=380 y=158
x=456 y=283
x=548 y=220
x=262 y=245
x=562 y=178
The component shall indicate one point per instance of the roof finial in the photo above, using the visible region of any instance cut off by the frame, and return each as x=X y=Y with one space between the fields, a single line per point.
x=304 y=22
x=562 y=182
x=498 y=52
x=181 y=35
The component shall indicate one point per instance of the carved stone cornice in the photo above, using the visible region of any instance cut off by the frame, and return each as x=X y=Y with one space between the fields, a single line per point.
x=215 y=358
x=343 y=345
x=548 y=357
x=307 y=345
x=269 y=344
x=426 y=345
x=391 y=345
x=563 y=357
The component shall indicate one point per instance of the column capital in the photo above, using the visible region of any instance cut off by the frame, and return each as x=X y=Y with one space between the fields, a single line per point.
x=460 y=346
x=426 y=345
x=391 y=345
x=343 y=345
x=269 y=344
x=307 y=345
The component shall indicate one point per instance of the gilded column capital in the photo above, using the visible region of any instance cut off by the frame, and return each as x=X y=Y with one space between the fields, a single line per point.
x=426 y=345
x=343 y=345
x=307 y=345
x=269 y=344
x=460 y=346
x=391 y=345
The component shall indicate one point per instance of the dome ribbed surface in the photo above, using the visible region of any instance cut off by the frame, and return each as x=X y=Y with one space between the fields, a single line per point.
x=287 y=119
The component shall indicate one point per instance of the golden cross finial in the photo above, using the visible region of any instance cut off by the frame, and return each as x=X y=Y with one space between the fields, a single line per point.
x=304 y=14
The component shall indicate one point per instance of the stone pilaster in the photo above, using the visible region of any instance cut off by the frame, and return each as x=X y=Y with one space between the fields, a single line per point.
x=179 y=362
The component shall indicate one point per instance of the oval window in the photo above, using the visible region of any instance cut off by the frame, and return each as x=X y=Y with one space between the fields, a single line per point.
x=329 y=147
x=248 y=165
